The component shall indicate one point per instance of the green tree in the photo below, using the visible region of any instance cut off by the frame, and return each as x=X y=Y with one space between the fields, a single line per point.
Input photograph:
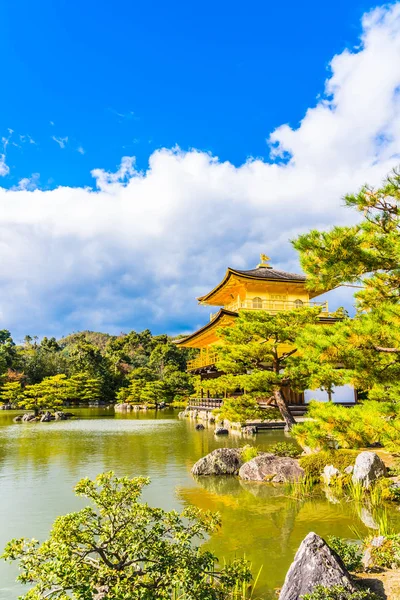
x=8 y=351
x=365 y=254
x=153 y=392
x=177 y=385
x=166 y=355
x=256 y=356
x=42 y=360
x=11 y=392
x=120 y=548
x=85 y=388
x=51 y=393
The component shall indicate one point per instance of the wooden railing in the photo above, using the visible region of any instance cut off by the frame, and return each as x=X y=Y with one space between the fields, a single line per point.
x=205 y=403
x=206 y=358
x=272 y=306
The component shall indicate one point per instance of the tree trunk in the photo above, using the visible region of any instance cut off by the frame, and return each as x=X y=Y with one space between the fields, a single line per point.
x=283 y=409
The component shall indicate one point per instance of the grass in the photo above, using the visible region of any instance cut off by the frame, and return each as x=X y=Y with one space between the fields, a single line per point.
x=249 y=452
x=301 y=489
x=242 y=591
x=356 y=491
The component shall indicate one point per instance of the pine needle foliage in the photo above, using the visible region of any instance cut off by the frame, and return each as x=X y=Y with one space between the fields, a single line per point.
x=119 y=548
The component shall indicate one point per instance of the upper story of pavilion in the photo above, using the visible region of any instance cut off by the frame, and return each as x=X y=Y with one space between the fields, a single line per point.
x=262 y=288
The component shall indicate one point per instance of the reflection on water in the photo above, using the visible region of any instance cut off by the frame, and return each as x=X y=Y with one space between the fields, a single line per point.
x=40 y=463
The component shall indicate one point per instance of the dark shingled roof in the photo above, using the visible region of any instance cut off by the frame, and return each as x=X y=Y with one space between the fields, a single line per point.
x=268 y=273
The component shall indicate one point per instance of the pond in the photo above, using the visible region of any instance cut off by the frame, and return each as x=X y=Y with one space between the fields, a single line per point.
x=40 y=463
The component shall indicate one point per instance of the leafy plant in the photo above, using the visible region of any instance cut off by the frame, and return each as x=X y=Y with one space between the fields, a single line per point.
x=314 y=464
x=121 y=548
x=338 y=592
x=349 y=552
x=285 y=449
x=388 y=553
x=249 y=452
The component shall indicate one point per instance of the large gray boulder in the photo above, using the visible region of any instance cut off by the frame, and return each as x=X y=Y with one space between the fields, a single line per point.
x=268 y=467
x=222 y=461
x=314 y=564
x=368 y=468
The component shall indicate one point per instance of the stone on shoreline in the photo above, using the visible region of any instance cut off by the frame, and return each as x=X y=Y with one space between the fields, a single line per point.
x=330 y=472
x=368 y=468
x=268 y=467
x=222 y=461
x=315 y=564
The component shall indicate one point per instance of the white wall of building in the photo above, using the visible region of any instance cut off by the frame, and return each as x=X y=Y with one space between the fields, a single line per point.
x=342 y=393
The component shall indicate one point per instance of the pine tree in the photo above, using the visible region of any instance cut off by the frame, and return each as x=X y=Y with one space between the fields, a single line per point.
x=257 y=356
x=367 y=254
x=11 y=392
x=51 y=393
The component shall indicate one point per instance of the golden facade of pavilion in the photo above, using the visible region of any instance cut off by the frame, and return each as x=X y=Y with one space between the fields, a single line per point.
x=262 y=288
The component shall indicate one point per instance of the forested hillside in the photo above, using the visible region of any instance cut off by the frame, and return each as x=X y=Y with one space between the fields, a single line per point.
x=91 y=366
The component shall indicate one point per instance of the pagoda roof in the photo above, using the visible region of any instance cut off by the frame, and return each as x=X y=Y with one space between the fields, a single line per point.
x=260 y=273
x=206 y=328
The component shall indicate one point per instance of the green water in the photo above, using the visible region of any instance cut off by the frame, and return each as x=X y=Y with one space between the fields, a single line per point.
x=40 y=463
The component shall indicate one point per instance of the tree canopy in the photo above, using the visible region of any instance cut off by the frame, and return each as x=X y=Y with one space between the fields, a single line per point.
x=88 y=367
x=257 y=356
x=118 y=548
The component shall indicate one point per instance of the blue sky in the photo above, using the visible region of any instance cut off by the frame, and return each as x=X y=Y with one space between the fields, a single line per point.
x=130 y=77
x=197 y=95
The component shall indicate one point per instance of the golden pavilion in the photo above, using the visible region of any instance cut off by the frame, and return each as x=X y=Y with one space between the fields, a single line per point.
x=261 y=288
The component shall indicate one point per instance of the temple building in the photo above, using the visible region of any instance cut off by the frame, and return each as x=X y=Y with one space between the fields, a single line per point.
x=262 y=288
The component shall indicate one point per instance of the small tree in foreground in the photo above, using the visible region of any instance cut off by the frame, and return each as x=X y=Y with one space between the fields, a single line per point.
x=120 y=548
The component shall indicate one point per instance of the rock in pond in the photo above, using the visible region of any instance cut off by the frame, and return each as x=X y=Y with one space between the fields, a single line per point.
x=47 y=417
x=368 y=468
x=221 y=431
x=268 y=467
x=222 y=461
x=28 y=417
x=199 y=427
x=314 y=564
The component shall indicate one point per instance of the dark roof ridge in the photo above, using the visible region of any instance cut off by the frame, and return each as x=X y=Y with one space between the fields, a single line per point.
x=270 y=273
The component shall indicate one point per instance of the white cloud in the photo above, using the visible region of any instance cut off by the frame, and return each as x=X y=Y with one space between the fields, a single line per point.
x=80 y=150
x=60 y=141
x=4 y=168
x=138 y=249
x=28 y=183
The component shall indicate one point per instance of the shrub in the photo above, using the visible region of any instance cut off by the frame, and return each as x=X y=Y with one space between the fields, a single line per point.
x=285 y=449
x=349 y=552
x=314 y=464
x=249 y=452
x=337 y=592
x=122 y=548
x=388 y=554
x=334 y=426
